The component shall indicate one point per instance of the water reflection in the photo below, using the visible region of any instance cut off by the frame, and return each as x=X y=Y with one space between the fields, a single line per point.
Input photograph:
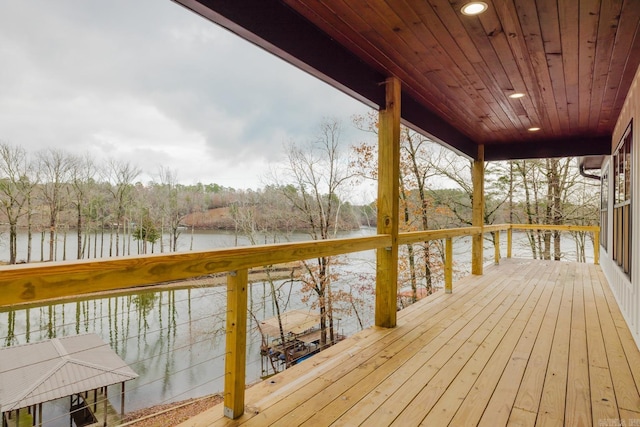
x=174 y=339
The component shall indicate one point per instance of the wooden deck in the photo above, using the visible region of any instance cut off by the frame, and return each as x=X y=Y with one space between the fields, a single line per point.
x=528 y=343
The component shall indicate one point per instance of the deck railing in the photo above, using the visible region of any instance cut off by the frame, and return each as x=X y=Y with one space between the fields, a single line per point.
x=37 y=283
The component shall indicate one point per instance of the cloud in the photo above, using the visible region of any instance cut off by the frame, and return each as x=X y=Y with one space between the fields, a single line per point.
x=152 y=82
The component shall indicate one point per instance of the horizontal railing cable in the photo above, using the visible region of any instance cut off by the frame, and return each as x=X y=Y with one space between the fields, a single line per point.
x=124 y=365
x=103 y=317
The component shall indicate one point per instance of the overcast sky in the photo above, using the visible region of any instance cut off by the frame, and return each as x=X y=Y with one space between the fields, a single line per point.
x=153 y=83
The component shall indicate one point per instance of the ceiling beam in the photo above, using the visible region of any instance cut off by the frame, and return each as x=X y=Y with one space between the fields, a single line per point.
x=575 y=147
x=273 y=26
x=420 y=119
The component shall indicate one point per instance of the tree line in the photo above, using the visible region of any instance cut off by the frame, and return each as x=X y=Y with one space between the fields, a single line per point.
x=52 y=195
x=113 y=214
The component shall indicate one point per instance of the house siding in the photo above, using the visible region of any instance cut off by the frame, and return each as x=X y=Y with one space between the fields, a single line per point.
x=627 y=292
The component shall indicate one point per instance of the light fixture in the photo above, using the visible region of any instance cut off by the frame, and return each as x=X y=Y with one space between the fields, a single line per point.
x=533 y=129
x=474 y=8
x=516 y=95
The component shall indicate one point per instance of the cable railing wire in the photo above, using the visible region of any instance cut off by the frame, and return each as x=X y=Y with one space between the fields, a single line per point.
x=156 y=355
x=128 y=338
x=263 y=305
x=105 y=316
x=108 y=315
x=116 y=369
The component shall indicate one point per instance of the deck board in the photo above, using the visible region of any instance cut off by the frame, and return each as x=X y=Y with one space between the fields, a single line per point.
x=528 y=343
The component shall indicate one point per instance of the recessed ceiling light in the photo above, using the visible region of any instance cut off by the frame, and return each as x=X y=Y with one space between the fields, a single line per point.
x=474 y=8
x=534 y=129
x=516 y=95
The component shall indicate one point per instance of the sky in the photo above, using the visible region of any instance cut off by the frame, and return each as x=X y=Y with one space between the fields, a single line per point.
x=150 y=82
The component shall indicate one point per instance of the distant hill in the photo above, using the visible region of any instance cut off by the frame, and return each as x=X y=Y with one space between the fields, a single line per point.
x=217 y=218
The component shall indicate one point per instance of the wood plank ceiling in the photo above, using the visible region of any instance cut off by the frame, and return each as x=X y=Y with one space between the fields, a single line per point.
x=573 y=59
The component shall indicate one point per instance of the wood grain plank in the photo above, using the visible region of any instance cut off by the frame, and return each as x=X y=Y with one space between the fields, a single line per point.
x=552 y=403
x=366 y=397
x=236 y=343
x=430 y=31
x=473 y=353
x=578 y=400
x=415 y=44
x=567 y=11
x=522 y=26
x=624 y=360
x=500 y=406
x=588 y=30
x=603 y=400
x=356 y=29
x=367 y=358
x=471 y=347
x=550 y=32
x=343 y=394
x=490 y=63
x=521 y=418
x=29 y=283
x=629 y=418
x=466 y=405
x=608 y=24
x=531 y=387
x=620 y=72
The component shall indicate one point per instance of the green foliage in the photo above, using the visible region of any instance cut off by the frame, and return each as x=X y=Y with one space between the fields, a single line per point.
x=147 y=231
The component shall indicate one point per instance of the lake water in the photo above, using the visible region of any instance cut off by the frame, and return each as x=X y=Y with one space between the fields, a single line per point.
x=174 y=339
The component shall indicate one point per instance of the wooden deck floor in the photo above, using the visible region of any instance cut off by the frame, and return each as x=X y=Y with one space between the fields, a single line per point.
x=528 y=343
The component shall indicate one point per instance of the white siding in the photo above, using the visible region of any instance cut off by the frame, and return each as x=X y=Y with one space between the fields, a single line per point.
x=627 y=292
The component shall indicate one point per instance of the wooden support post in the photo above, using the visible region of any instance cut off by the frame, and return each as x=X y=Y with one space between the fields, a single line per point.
x=388 y=205
x=448 y=266
x=104 y=406
x=596 y=247
x=509 y=241
x=236 y=343
x=496 y=247
x=122 y=401
x=478 y=212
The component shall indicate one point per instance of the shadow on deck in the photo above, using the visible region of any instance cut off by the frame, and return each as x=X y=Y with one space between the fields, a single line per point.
x=529 y=342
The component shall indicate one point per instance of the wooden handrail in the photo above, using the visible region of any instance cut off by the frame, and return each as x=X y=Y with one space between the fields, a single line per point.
x=589 y=228
x=423 y=236
x=31 y=283
x=595 y=229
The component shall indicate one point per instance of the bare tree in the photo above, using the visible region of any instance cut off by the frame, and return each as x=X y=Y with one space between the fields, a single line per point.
x=121 y=175
x=55 y=166
x=15 y=190
x=82 y=173
x=173 y=209
x=316 y=173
